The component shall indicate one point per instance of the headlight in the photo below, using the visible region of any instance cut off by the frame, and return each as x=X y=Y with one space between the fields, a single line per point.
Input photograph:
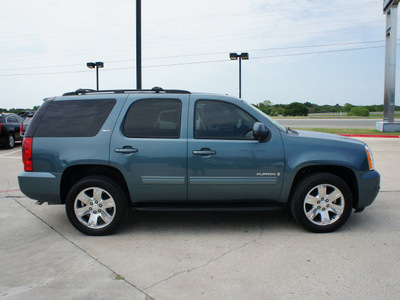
x=370 y=158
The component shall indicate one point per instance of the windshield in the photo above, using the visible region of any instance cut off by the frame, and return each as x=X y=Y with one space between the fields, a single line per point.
x=279 y=126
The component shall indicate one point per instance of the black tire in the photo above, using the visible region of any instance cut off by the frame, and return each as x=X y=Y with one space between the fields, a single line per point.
x=96 y=205
x=10 y=141
x=321 y=202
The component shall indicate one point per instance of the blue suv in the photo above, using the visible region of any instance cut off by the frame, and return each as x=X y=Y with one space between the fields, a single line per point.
x=102 y=153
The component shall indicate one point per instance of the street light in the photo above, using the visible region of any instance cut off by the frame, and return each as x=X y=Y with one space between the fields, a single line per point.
x=97 y=65
x=235 y=56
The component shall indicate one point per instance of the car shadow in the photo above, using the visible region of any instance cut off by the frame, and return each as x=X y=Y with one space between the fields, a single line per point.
x=18 y=145
x=200 y=221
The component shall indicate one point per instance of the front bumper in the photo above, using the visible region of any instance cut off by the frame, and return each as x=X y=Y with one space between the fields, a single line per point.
x=44 y=187
x=368 y=188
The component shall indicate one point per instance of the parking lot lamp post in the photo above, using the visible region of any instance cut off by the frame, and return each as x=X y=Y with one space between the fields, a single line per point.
x=235 y=56
x=97 y=65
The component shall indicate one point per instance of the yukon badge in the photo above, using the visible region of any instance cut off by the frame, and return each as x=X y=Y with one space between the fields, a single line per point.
x=268 y=174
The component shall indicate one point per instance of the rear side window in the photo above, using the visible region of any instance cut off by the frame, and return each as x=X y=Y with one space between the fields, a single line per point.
x=153 y=118
x=74 y=118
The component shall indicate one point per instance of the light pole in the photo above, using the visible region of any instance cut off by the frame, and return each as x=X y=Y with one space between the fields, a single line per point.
x=235 y=56
x=388 y=124
x=97 y=65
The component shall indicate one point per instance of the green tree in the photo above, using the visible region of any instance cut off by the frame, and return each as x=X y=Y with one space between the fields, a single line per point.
x=267 y=103
x=296 y=109
x=359 y=111
x=347 y=107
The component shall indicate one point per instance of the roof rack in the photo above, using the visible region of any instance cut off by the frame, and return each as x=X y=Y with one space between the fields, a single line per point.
x=155 y=89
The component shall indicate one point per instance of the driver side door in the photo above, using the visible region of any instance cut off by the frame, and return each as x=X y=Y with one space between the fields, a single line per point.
x=225 y=162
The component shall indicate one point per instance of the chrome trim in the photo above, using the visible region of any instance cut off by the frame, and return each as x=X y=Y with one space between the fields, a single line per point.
x=233 y=180
x=163 y=180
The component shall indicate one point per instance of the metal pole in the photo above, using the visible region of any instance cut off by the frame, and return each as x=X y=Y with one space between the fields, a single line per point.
x=138 y=45
x=97 y=77
x=240 y=77
x=390 y=64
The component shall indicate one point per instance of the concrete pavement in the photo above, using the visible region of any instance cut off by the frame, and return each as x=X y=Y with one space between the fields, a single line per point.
x=240 y=255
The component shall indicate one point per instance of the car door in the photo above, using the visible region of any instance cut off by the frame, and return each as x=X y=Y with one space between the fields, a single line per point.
x=15 y=121
x=225 y=162
x=150 y=147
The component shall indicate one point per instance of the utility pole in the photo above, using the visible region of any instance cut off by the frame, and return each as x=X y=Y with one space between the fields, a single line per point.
x=138 y=45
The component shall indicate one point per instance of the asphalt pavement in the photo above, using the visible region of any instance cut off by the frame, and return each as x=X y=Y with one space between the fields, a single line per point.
x=197 y=255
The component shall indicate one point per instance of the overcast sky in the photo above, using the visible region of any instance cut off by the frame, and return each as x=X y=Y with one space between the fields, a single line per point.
x=325 y=52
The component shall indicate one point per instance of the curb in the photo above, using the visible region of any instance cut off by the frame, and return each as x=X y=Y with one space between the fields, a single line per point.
x=371 y=136
x=9 y=191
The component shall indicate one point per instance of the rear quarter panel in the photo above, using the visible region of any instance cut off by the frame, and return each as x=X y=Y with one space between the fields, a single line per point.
x=55 y=154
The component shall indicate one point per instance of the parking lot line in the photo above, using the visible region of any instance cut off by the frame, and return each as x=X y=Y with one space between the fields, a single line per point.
x=3 y=155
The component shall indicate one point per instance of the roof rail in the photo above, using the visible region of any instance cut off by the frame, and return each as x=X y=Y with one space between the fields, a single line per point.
x=155 y=89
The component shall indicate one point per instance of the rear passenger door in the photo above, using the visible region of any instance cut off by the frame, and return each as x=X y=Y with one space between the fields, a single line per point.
x=149 y=146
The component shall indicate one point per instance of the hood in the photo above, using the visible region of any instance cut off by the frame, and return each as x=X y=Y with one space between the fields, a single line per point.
x=328 y=137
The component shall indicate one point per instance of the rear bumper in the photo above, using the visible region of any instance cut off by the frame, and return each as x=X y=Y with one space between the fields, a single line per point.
x=368 y=188
x=3 y=140
x=44 y=187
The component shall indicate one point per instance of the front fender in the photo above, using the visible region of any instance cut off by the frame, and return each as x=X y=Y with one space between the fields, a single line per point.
x=322 y=153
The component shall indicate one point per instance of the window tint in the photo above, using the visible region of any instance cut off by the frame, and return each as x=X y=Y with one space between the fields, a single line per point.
x=74 y=118
x=222 y=120
x=12 y=119
x=153 y=118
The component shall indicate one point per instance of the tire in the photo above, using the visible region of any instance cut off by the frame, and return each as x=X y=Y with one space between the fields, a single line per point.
x=10 y=141
x=96 y=205
x=321 y=202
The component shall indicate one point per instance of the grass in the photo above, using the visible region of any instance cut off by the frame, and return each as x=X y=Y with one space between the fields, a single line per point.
x=349 y=131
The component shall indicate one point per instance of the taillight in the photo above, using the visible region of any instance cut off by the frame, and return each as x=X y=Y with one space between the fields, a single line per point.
x=27 y=154
x=21 y=127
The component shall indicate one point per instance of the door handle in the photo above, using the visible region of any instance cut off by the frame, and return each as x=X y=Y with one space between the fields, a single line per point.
x=126 y=150
x=204 y=152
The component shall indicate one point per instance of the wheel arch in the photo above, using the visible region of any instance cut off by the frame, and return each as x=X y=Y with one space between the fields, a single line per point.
x=75 y=173
x=344 y=173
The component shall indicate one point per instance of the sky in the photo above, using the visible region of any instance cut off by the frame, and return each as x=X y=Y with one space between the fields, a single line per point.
x=324 y=52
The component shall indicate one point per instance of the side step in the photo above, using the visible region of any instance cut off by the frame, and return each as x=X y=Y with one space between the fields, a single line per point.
x=207 y=206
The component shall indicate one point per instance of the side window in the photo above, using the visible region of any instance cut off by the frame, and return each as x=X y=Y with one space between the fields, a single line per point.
x=74 y=118
x=153 y=118
x=221 y=120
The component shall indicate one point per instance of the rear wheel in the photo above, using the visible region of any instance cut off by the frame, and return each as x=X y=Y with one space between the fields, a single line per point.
x=322 y=202
x=10 y=141
x=96 y=205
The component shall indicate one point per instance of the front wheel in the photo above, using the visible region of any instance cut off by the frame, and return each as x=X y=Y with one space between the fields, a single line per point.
x=321 y=202
x=96 y=205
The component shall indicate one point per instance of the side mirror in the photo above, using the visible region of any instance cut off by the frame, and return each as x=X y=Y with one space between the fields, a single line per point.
x=261 y=133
